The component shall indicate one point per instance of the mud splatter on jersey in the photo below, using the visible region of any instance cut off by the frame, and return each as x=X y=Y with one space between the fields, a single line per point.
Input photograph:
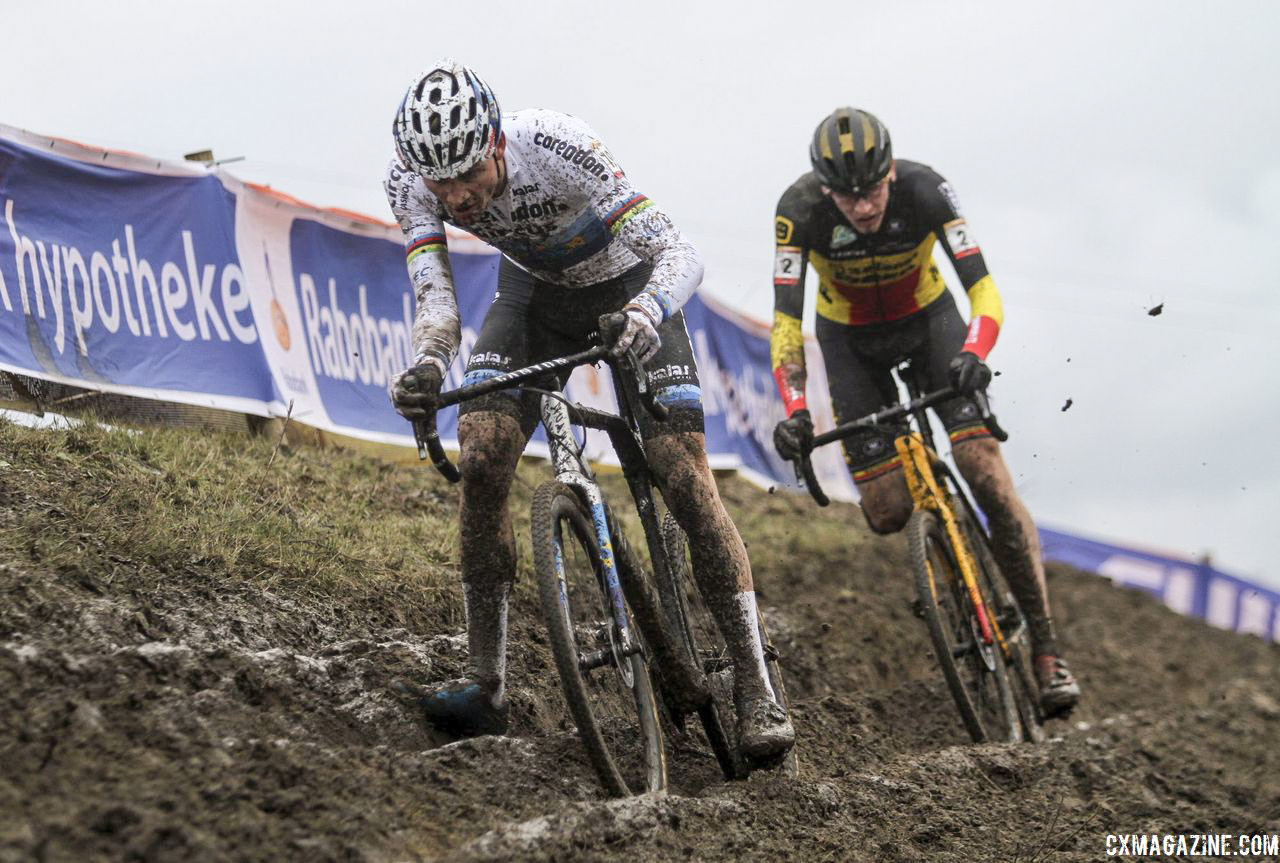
x=568 y=215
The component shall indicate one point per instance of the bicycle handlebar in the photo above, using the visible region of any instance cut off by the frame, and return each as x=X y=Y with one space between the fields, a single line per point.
x=804 y=466
x=428 y=439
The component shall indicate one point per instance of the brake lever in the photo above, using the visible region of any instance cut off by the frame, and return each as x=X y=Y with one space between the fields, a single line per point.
x=805 y=474
x=429 y=446
x=988 y=418
x=610 y=326
x=659 y=411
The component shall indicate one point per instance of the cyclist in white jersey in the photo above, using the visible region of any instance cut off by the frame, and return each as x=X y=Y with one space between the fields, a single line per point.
x=577 y=241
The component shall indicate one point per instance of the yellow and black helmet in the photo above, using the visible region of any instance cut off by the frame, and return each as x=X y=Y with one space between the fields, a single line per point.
x=851 y=151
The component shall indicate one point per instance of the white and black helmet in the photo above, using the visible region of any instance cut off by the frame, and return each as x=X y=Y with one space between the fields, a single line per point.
x=448 y=122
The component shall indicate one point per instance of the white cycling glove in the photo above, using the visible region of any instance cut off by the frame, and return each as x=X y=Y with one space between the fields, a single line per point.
x=640 y=333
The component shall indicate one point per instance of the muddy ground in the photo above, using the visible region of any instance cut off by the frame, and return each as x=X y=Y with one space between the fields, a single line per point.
x=161 y=709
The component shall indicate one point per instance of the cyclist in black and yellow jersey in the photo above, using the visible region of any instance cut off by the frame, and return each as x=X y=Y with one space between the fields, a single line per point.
x=868 y=224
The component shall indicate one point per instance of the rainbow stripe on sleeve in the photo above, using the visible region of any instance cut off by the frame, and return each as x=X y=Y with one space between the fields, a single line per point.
x=625 y=211
x=425 y=243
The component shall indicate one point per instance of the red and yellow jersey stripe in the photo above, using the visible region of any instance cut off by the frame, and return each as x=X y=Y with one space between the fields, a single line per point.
x=879 y=288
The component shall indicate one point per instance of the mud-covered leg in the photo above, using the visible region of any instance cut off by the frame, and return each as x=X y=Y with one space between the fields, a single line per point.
x=1015 y=542
x=491 y=444
x=476 y=704
x=723 y=575
x=1016 y=546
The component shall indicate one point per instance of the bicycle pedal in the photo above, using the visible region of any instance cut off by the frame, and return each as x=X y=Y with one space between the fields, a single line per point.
x=917 y=608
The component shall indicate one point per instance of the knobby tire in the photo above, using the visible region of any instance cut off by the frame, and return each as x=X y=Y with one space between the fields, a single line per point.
x=612 y=705
x=977 y=679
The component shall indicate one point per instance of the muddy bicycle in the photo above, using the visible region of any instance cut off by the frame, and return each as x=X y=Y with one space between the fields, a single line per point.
x=609 y=622
x=978 y=630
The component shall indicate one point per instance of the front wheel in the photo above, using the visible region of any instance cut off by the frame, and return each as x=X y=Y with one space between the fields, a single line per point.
x=605 y=677
x=1017 y=635
x=974 y=669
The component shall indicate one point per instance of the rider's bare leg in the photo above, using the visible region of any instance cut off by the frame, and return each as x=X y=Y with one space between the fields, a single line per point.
x=1014 y=539
x=886 y=501
x=491 y=444
x=720 y=563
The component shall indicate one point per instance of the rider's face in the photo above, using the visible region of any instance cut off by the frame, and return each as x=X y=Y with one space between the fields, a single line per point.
x=866 y=211
x=469 y=195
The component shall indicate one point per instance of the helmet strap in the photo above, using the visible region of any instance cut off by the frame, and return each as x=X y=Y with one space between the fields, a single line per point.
x=500 y=159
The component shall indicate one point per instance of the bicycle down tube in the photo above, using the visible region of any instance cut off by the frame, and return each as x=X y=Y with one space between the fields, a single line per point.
x=569 y=470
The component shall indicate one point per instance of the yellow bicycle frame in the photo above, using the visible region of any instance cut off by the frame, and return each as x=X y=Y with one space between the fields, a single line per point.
x=927 y=493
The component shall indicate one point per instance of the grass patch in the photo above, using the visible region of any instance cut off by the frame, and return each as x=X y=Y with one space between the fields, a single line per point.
x=320 y=522
x=324 y=524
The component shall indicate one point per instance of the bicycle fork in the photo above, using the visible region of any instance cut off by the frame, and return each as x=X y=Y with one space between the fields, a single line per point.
x=571 y=471
x=926 y=494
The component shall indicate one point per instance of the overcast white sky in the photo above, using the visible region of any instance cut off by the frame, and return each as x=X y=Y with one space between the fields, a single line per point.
x=1109 y=156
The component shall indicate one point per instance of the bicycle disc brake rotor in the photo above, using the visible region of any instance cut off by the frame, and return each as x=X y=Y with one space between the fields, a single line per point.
x=620 y=663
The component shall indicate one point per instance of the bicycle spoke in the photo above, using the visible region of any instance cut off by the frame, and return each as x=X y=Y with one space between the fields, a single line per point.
x=603 y=674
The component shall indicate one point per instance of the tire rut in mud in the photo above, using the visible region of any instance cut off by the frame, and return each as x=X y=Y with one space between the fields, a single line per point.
x=186 y=714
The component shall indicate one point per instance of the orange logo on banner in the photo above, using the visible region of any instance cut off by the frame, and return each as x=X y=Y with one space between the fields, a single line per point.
x=280 y=324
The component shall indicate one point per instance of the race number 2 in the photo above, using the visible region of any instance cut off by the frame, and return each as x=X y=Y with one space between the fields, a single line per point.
x=786 y=265
x=960 y=238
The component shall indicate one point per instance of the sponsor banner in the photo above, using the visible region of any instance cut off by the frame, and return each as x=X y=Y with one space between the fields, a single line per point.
x=741 y=401
x=124 y=279
x=176 y=281
x=1194 y=589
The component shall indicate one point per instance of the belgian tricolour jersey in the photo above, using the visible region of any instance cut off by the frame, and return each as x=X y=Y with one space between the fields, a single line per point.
x=872 y=279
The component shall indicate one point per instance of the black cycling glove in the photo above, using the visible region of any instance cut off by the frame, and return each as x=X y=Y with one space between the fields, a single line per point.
x=793 y=437
x=968 y=373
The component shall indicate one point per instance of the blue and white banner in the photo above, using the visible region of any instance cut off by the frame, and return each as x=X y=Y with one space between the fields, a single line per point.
x=1194 y=589
x=175 y=281
x=124 y=280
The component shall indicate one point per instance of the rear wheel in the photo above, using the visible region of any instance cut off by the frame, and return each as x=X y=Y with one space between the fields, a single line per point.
x=702 y=641
x=606 y=683
x=974 y=670
x=706 y=644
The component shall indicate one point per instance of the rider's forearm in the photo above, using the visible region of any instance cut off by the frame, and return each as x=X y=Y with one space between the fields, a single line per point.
x=786 y=339
x=986 y=318
x=437 y=328
x=653 y=237
x=786 y=349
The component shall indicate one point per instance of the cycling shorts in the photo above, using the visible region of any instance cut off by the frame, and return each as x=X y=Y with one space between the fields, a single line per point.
x=531 y=321
x=859 y=360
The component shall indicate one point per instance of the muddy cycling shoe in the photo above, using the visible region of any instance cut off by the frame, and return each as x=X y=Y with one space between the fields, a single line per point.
x=764 y=730
x=1059 y=691
x=461 y=708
